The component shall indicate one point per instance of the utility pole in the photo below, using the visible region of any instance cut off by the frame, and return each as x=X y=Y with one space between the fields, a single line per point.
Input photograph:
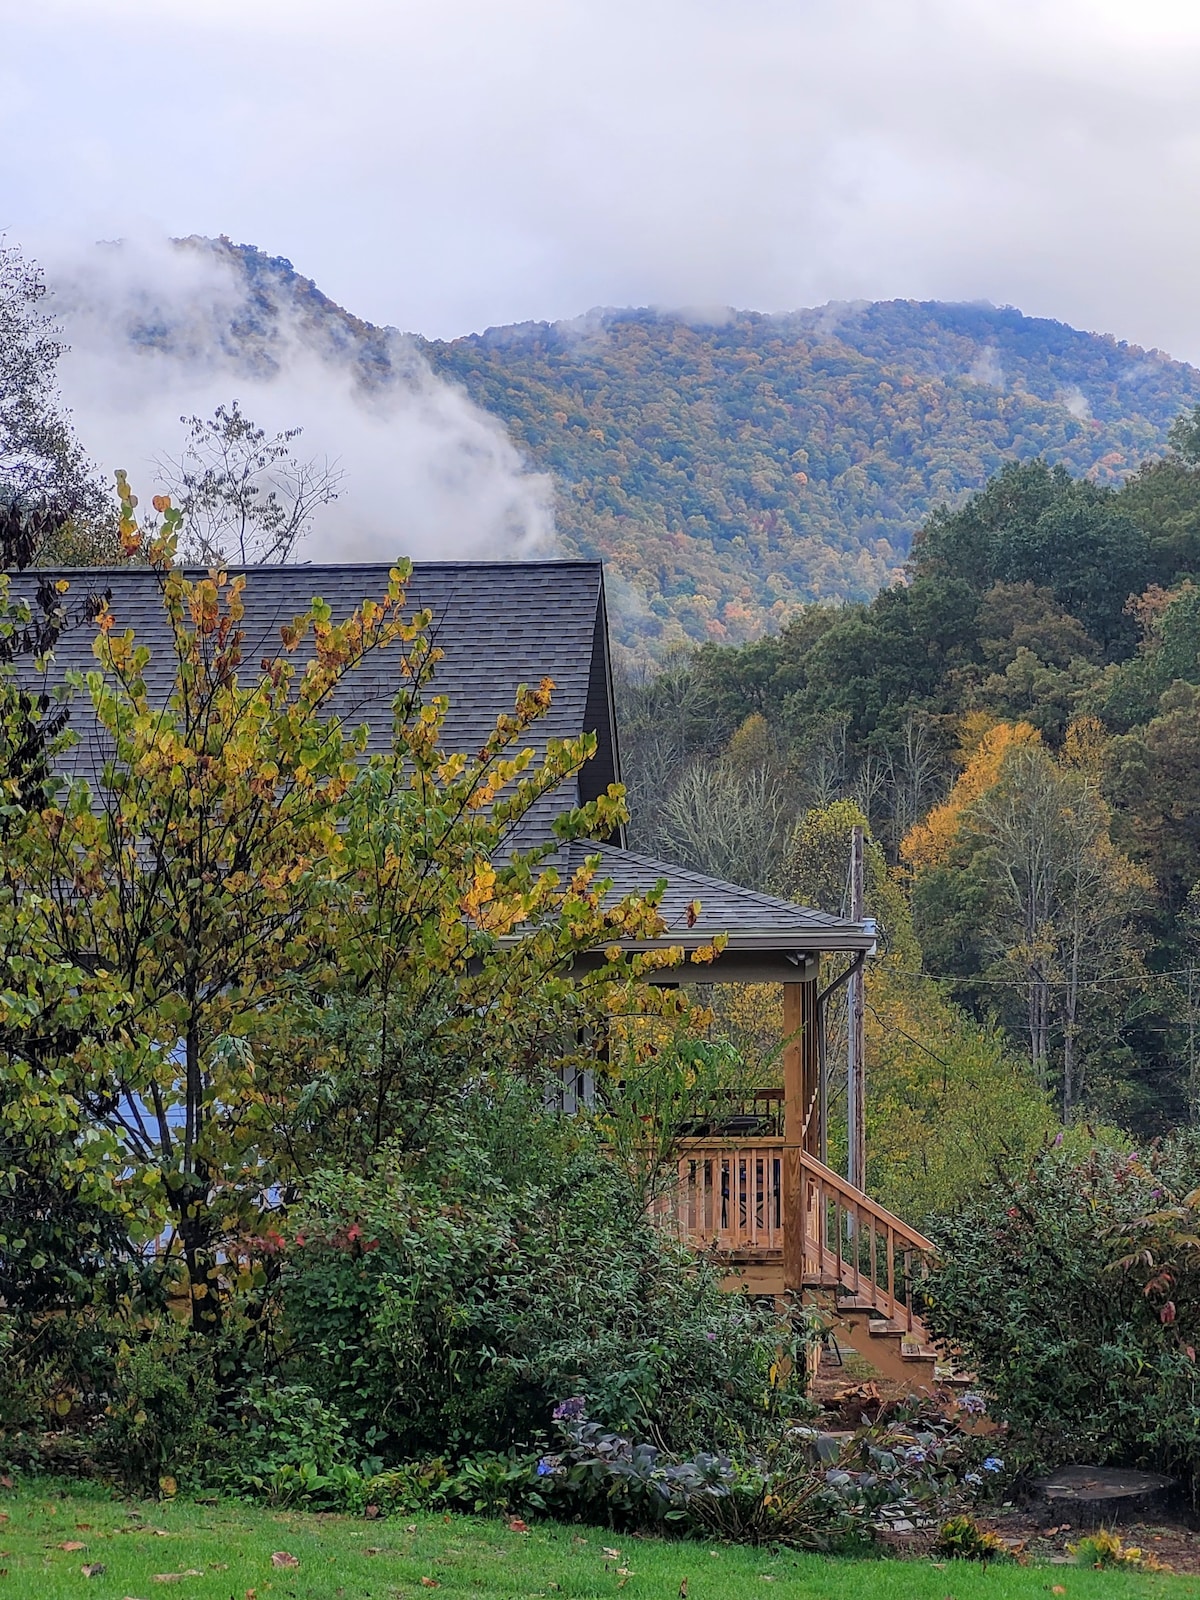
x=856 y=1062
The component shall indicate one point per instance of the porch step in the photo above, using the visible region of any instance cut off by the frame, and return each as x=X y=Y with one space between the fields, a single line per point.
x=914 y=1350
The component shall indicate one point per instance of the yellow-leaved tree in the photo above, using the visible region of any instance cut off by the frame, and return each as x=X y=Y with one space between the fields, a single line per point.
x=1021 y=896
x=302 y=949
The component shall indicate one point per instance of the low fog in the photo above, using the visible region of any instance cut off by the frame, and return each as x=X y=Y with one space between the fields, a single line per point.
x=160 y=331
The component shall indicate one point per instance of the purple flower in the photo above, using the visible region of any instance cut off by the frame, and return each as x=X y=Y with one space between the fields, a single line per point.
x=915 y=1455
x=1058 y=1139
x=711 y=1336
x=972 y=1478
x=993 y=1464
x=545 y=1466
x=570 y=1410
x=973 y=1404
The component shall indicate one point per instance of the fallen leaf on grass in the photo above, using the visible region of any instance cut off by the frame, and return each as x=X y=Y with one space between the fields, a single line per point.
x=92 y=1569
x=515 y=1525
x=281 y=1558
x=410 y=1527
x=430 y=1583
x=73 y=1544
x=613 y=1555
x=5 y=1481
x=1058 y=1588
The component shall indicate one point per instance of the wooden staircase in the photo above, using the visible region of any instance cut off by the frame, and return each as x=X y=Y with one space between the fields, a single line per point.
x=858 y=1264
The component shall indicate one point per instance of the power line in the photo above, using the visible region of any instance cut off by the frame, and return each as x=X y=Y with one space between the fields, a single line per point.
x=1050 y=983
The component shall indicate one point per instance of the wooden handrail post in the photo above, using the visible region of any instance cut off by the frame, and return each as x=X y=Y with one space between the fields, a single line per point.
x=856 y=1077
x=801 y=1122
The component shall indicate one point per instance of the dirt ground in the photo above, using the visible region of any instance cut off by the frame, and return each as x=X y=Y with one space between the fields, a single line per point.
x=1172 y=1543
x=853 y=1392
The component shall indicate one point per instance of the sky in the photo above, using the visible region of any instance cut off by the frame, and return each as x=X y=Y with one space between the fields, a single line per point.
x=445 y=165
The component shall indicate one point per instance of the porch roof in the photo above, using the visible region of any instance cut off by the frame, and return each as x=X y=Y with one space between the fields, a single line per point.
x=767 y=940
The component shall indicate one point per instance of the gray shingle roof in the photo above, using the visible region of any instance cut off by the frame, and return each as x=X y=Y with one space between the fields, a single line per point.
x=500 y=624
x=752 y=921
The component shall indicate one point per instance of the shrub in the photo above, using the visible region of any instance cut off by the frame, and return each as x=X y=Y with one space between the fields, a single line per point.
x=158 y=1423
x=784 y=1494
x=285 y=1444
x=1077 y=1352
x=445 y=1304
x=632 y=1482
x=1104 y=1550
x=962 y=1539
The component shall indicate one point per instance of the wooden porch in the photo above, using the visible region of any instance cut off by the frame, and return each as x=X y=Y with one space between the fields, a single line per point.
x=858 y=1263
x=753 y=1190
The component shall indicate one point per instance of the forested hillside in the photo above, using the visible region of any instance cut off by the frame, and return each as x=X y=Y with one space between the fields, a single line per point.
x=729 y=470
x=1018 y=726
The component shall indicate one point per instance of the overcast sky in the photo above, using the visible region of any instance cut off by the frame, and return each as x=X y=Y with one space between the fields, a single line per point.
x=443 y=165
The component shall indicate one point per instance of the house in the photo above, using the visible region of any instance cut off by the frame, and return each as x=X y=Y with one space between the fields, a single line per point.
x=765 y=1200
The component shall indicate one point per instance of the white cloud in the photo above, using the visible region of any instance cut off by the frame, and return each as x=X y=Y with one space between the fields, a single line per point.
x=445 y=164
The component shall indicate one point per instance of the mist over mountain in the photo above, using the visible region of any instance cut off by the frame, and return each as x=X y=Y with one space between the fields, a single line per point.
x=728 y=465
x=163 y=330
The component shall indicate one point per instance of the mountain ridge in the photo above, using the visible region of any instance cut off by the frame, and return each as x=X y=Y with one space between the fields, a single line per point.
x=734 y=467
x=730 y=466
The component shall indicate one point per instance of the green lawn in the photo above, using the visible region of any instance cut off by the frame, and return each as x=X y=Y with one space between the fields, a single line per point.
x=225 y=1551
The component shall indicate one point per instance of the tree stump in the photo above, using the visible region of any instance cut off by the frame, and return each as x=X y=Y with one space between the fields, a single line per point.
x=1091 y=1497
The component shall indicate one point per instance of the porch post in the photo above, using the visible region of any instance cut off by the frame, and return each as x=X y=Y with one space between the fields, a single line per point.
x=801 y=1119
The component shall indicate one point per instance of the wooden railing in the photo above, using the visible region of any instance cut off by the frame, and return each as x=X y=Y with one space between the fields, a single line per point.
x=730 y=1197
x=852 y=1242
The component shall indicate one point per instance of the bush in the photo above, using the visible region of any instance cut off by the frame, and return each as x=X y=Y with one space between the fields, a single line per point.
x=285 y=1444
x=1034 y=1284
x=1105 y=1550
x=445 y=1305
x=158 y=1423
x=962 y=1539
x=787 y=1493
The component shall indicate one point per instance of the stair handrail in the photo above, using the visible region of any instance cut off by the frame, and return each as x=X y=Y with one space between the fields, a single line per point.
x=861 y=1201
x=858 y=1247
